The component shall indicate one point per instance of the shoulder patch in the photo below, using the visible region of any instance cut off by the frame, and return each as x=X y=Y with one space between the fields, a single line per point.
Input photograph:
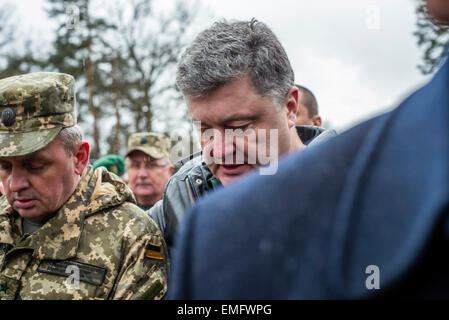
x=153 y=251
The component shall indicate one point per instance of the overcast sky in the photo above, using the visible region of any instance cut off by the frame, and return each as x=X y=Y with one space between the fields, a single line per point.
x=359 y=57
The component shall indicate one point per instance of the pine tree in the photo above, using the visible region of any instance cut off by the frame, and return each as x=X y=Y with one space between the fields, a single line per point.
x=432 y=37
x=79 y=49
x=123 y=55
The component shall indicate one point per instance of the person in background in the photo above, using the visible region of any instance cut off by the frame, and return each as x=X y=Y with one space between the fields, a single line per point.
x=307 y=114
x=113 y=163
x=308 y=122
x=148 y=166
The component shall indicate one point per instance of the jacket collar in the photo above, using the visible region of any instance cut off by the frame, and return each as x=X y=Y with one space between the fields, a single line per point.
x=9 y=232
x=97 y=190
x=58 y=238
x=396 y=190
x=308 y=133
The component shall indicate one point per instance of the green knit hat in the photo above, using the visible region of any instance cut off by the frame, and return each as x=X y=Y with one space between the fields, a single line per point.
x=112 y=162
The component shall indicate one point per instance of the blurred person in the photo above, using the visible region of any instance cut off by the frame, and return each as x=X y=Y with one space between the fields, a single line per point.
x=370 y=220
x=235 y=77
x=148 y=165
x=307 y=114
x=113 y=163
x=66 y=231
x=308 y=122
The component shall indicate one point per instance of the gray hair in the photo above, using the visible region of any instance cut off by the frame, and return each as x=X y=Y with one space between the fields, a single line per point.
x=229 y=50
x=69 y=137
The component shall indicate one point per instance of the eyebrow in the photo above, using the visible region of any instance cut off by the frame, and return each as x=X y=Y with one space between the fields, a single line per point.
x=237 y=117
x=232 y=118
x=26 y=160
x=36 y=158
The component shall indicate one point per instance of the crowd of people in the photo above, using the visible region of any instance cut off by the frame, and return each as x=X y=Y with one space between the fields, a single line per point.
x=273 y=207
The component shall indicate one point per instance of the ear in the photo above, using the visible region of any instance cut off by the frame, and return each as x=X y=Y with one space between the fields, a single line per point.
x=170 y=169
x=316 y=120
x=81 y=156
x=291 y=105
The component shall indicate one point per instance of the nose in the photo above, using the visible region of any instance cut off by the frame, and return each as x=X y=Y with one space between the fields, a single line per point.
x=18 y=180
x=142 y=173
x=222 y=146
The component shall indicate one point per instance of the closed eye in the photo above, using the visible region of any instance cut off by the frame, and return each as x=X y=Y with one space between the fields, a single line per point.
x=35 y=165
x=242 y=127
x=5 y=165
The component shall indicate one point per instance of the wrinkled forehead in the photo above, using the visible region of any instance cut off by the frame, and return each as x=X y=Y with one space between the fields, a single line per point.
x=237 y=101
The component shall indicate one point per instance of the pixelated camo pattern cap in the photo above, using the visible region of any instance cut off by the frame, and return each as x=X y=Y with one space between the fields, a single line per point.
x=34 y=108
x=155 y=145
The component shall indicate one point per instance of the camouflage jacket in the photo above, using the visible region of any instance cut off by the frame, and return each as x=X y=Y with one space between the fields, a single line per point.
x=98 y=245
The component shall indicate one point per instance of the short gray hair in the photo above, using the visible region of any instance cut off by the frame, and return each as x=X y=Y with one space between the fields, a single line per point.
x=69 y=137
x=230 y=50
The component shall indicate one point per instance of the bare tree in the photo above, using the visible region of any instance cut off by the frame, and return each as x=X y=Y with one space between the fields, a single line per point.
x=6 y=25
x=147 y=44
x=123 y=54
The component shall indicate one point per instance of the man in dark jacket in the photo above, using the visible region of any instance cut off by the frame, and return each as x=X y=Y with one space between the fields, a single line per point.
x=370 y=220
x=238 y=85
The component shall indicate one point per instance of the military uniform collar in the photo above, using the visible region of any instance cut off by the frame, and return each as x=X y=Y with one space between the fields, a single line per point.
x=58 y=238
x=97 y=190
x=8 y=229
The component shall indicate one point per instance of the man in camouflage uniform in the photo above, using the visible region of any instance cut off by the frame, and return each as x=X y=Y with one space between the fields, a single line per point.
x=66 y=231
x=148 y=166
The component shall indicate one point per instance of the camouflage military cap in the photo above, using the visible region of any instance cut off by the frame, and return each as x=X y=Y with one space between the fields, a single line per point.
x=34 y=108
x=153 y=144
